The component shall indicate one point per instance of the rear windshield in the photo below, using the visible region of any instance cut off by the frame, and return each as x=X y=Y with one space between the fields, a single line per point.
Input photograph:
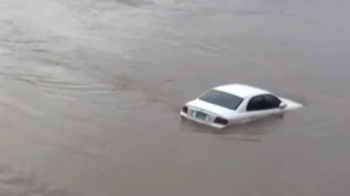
x=222 y=99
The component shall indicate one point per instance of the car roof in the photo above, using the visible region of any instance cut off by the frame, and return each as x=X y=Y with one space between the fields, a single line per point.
x=241 y=90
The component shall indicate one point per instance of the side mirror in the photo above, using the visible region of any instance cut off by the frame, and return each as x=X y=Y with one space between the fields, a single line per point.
x=283 y=105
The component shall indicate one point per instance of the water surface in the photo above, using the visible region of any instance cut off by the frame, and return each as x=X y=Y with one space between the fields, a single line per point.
x=90 y=93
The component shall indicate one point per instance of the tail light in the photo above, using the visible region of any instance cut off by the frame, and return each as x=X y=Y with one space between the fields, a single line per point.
x=221 y=121
x=185 y=109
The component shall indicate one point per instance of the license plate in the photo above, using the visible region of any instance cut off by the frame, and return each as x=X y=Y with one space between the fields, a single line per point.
x=201 y=115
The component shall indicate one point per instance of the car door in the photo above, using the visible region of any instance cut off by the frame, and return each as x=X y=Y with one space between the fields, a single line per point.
x=261 y=106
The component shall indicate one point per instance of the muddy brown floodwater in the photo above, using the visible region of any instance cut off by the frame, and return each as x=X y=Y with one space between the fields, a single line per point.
x=90 y=93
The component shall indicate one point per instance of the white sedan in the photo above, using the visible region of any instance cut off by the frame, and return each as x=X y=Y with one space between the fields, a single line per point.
x=235 y=104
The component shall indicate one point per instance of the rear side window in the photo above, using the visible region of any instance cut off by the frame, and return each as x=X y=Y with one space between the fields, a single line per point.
x=256 y=103
x=263 y=102
x=222 y=99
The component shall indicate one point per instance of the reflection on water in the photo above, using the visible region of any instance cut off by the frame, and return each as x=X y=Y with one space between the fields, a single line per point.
x=18 y=183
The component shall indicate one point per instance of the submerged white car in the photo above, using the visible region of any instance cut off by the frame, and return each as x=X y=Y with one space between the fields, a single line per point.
x=235 y=104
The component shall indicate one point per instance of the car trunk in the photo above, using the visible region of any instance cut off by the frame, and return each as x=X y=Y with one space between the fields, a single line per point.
x=210 y=109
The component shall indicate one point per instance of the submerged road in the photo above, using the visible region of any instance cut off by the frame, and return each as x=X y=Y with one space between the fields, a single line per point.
x=90 y=93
